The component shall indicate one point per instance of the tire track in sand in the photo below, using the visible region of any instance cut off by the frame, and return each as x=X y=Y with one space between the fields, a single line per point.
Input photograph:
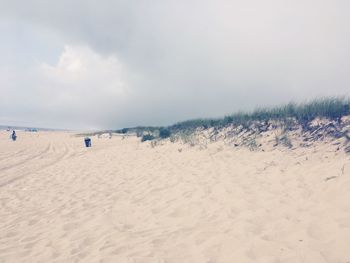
x=5 y=168
x=56 y=159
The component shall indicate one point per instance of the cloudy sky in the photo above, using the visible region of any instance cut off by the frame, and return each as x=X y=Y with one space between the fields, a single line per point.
x=86 y=64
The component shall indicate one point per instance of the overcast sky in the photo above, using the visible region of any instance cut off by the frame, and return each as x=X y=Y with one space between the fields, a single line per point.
x=89 y=64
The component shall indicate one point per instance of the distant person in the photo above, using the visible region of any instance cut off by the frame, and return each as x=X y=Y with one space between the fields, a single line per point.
x=13 y=135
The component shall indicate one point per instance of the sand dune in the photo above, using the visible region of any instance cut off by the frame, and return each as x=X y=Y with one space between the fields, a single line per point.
x=125 y=201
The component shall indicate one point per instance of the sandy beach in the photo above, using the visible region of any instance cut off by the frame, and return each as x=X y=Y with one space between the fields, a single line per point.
x=125 y=201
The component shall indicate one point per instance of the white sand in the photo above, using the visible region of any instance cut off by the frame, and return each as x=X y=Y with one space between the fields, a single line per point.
x=123 y=201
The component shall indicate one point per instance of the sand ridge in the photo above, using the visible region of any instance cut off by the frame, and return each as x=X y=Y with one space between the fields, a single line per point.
x=126 y=201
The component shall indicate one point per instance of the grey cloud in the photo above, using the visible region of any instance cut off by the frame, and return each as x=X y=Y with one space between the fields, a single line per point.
x=186 y=59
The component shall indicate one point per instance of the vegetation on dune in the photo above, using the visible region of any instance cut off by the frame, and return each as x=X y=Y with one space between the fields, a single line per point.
x=302 y=114
x=147 y=137
x=139 y=130
x=332 y=108
x=164 y=133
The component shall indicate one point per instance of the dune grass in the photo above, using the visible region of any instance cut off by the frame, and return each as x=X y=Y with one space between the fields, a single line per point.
x=301 y=113
x=331 y=108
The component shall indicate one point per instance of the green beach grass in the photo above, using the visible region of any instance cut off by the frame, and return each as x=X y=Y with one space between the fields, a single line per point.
x=299 y=113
